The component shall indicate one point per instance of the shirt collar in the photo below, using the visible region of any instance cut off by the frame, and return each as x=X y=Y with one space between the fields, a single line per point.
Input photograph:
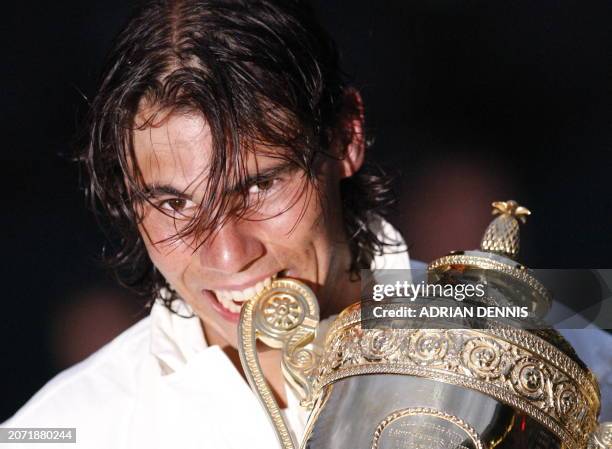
x=175 y=339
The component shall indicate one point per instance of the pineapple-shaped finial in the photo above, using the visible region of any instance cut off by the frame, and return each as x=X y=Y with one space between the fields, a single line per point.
x=502 y=234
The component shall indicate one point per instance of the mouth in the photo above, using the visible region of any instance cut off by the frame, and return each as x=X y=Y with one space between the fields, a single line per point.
x=228 y=303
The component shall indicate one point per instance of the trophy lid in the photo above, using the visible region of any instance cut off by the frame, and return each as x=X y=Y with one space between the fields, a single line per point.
x=495 y=262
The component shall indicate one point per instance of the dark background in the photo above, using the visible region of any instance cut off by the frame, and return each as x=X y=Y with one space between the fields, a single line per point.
x=469 y=102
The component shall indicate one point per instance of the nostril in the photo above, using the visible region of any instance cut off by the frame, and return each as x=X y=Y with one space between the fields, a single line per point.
x=233 y=250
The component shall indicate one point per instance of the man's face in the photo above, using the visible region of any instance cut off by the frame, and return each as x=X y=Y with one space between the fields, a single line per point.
x=291 y=230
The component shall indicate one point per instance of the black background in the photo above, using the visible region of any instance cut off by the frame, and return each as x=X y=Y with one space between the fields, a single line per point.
x=469 y=102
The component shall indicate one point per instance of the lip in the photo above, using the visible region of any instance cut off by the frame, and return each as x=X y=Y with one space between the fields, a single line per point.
x=222 y=311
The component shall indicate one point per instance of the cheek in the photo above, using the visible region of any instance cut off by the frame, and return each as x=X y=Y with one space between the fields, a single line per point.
x=299 y=229
x=169 y=254
x=294 y=215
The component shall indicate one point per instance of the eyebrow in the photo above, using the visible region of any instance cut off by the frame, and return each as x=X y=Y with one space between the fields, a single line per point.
x=268 y=173
x=156 y=190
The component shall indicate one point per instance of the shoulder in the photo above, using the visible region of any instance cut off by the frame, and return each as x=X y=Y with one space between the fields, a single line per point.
x=109 y=376
x=394 y=252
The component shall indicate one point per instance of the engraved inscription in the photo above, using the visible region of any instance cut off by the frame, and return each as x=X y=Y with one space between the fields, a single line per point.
x=424 y=428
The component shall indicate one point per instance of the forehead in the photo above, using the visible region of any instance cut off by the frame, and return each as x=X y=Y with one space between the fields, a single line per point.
x=175 y=148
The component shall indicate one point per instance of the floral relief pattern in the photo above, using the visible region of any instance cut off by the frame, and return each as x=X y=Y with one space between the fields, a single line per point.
x=469 y=358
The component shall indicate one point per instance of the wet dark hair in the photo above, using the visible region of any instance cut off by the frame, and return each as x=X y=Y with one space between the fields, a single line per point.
x=263 y=74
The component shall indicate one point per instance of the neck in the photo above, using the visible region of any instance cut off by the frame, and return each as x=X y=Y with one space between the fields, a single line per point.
x=339 y=296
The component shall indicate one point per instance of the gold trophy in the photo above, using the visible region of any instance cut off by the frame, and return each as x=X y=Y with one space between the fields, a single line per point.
x=495 y=386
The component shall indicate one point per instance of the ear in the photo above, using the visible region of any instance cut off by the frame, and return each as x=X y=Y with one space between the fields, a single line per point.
x=352 y=137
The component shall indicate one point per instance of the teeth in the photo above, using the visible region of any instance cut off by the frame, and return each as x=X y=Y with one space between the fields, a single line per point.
x=229 y=298
x=249 y=292
x=237 y=295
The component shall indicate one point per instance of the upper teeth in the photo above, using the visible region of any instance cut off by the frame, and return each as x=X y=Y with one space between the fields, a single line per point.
x=228 y=298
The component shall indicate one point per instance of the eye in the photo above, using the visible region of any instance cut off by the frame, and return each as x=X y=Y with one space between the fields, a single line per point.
x=263 y=186
x=176 y=205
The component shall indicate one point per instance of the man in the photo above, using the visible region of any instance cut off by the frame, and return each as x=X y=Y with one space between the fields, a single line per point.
x=226 y=149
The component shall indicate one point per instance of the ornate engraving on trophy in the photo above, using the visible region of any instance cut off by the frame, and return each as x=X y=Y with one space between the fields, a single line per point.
x=282 y=311
x=420 y=428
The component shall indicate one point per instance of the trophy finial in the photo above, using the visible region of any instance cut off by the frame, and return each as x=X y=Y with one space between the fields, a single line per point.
x=502 y=234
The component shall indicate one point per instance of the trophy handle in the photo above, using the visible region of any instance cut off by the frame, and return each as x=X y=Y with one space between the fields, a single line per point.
x=284 y=316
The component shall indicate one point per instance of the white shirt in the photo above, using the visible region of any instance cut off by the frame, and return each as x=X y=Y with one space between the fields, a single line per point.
x=159 y=385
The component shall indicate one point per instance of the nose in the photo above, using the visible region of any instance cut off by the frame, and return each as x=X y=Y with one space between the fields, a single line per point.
x=232 y=249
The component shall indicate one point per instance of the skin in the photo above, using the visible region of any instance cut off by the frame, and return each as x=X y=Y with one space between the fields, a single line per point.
x=290 y=229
